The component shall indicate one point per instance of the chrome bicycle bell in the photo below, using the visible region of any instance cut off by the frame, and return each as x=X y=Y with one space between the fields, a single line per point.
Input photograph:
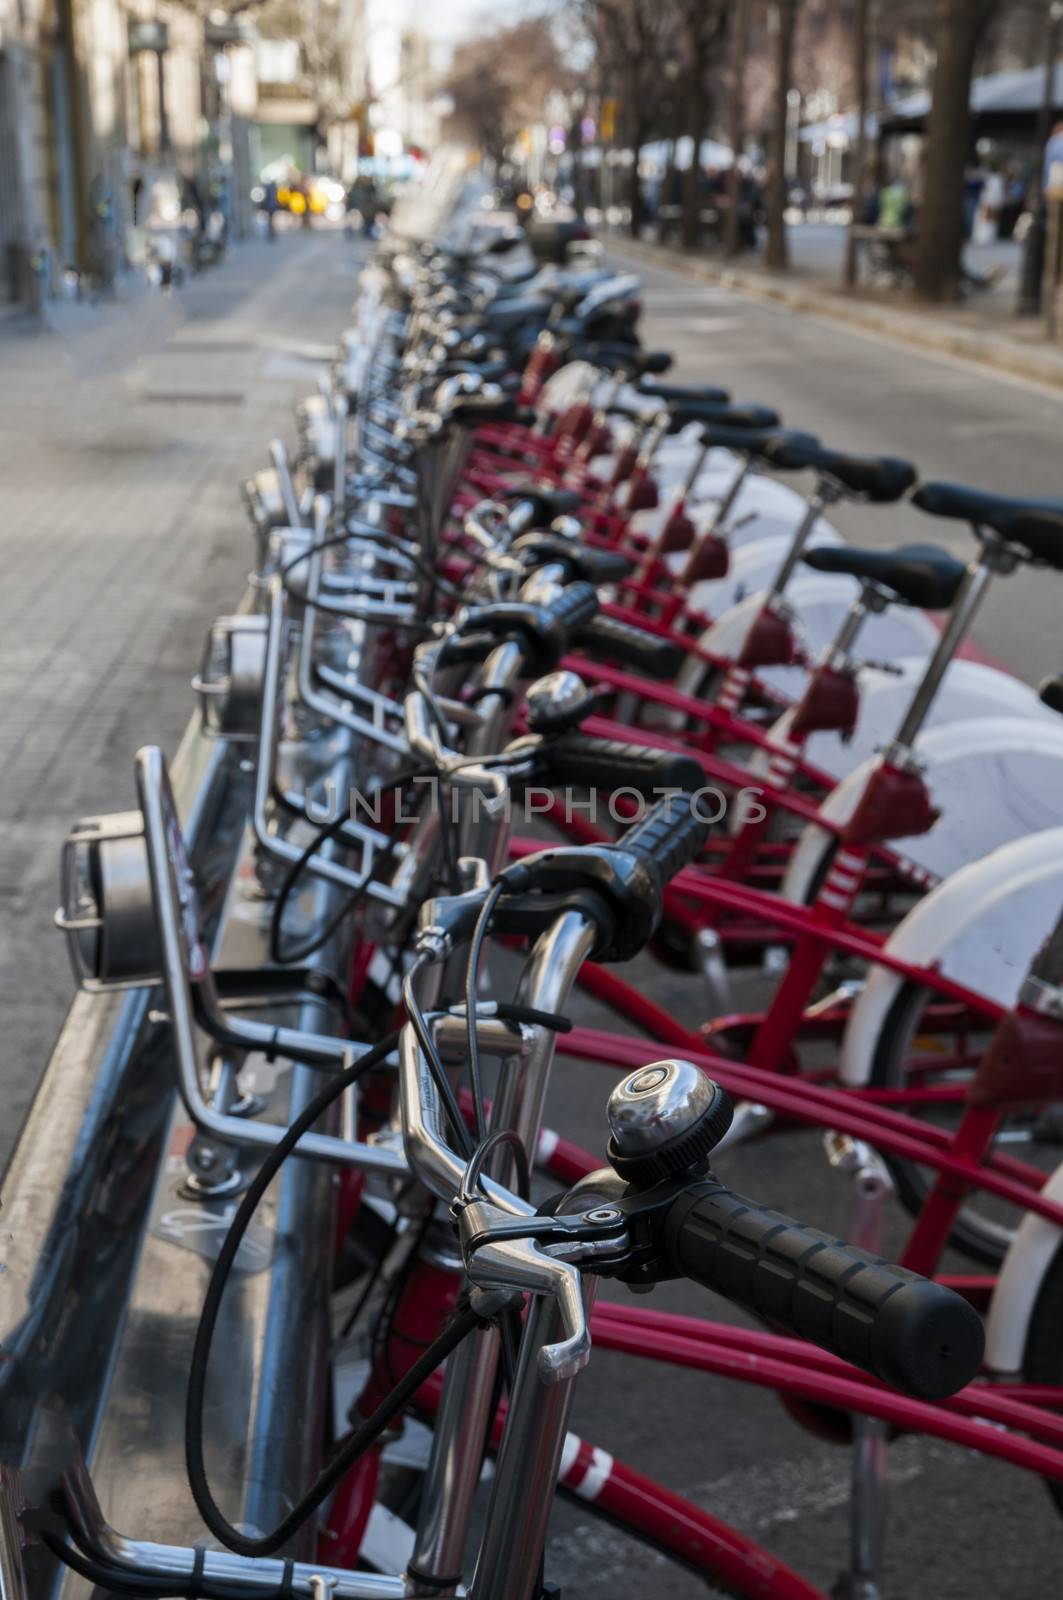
x=664 y=1120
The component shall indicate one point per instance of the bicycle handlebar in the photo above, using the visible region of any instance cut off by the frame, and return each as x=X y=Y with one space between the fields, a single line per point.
x=647 y=653
x=915 y=1335
x=668 y=838
x=612 y=764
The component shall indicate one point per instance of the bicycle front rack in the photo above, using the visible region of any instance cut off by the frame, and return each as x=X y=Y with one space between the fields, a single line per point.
x=229 y=681
x=106 y=908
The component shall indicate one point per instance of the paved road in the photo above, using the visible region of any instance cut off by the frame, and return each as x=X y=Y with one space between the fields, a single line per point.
x=858 y=392
x=121 y=449
x=122 y=444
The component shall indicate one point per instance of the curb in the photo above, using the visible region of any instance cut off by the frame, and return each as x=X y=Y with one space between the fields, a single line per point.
x=1003 y=355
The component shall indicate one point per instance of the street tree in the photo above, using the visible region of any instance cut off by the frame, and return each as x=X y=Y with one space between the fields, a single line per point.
x=701 y=30
x=961 y=28
x=777 y=251
x=736 y=122
x=634 y=44
x=499 y=81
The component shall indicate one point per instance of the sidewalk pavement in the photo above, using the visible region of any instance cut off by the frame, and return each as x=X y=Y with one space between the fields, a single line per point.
x=982 y=330
x=123 y=441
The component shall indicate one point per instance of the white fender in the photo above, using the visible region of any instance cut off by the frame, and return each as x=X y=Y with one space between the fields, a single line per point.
x=571 y=385
x=770 y=507
x=994 y=779
x=981 y=928
x=970 y=689
x=1027 y=1260
x=819 y=601
x=752 y=568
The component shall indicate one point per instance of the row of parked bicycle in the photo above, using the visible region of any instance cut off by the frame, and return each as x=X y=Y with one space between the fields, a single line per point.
x=550 y=665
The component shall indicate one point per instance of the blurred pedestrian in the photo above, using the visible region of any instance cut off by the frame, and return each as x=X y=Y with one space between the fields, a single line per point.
x=271 y=205
x=1052 y=174
x=974 y=178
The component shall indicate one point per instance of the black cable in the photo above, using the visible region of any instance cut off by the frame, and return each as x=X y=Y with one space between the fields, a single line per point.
x=487 y=1147
x=375 y=1425
x=328 y=831
x=417 y=563
x=104 y=1577
x=105 y=1574
x=419 y=1024
x=472 y=973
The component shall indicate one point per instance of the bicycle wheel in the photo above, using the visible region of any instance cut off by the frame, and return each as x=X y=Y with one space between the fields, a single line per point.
x=924 y=1041
x=1043 y=1357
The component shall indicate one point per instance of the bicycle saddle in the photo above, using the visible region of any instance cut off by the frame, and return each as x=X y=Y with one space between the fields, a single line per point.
x=1051 y=692
x=751 y=441
x=917 y=574
x=1036 y=526
x=512 y=313
x=618 y=356
x=681 y=394
x=549 y=503
x=882 y=479
x=727 y=416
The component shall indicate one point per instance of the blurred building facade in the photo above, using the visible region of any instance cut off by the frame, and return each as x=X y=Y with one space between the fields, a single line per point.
x=100 y=99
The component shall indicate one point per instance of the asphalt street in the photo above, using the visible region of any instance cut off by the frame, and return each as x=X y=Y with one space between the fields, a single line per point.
x=955 y=421
x=122 y=443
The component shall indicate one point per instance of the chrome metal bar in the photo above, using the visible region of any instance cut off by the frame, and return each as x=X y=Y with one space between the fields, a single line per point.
x=173 y=938
x=523 y=1488
x=964 y=610
x=274 y=843
x=799 y=543
x=278 y=456
x=253 y=1574
x=458 y=1445
x=339 y=486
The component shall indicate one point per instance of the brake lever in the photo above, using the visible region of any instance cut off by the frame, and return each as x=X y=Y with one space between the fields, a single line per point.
x=504 y=1252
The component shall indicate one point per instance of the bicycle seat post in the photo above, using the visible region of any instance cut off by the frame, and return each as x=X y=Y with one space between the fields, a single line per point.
x=996 y=559
x=743 y=472
x=826 y=494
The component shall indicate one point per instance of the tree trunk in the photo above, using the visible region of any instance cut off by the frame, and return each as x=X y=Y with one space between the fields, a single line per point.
x=861 y=51
x=635 y=199
x=777 y=254
x=737 y=127
x=697 y=109
x=939 y=227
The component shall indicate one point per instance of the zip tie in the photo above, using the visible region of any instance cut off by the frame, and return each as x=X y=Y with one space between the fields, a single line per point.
x=509 y=1011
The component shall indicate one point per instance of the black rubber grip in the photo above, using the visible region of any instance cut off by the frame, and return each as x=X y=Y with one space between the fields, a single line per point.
x=647 y=653
x=669 y=837
x=574 y=607
x=602 y=566
x=505 y=409
x=916 y=1335
x=612 y=764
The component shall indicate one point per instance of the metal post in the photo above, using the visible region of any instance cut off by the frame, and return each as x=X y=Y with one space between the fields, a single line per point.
x=820 y=499
x=525 y=1481
x=164 y=121
x=458 y=1444
x=869 y=1461
x=962 y=615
